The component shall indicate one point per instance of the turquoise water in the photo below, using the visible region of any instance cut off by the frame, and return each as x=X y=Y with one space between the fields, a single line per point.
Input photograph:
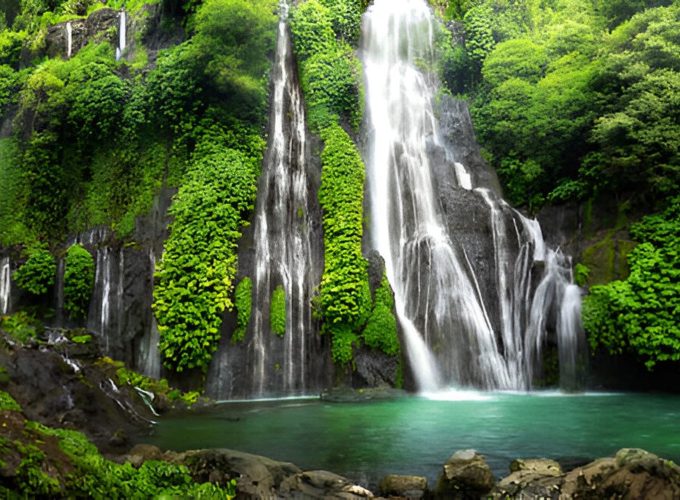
x=415 y=435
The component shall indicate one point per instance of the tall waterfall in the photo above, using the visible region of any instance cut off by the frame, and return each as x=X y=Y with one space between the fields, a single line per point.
x=122 y=34
x=287 y=254
x=459 y=330
x=69 y=40
x=5 y=285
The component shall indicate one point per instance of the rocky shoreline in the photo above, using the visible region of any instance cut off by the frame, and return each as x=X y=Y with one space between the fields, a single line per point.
x=630 y=474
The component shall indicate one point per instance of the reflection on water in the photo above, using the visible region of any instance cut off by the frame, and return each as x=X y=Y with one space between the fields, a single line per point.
x=415 y=435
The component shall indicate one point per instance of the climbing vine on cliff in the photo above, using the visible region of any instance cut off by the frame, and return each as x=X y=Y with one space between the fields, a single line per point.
x=345 y=295
x=332 y=84
x=381 y=329
x=194 y=278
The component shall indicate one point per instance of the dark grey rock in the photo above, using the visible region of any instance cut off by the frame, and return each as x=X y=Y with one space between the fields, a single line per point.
x=322 y=484
x=465 y=475
x=409 y=487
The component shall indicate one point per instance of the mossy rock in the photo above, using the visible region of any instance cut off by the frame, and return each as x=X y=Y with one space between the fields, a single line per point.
x=606 y=257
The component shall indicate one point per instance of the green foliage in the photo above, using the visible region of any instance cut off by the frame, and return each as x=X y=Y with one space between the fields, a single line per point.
x=617 y=11
x=37 y=274
x=21 y=326
x=344 y=296
x=244 y=303
x=345 y=18
x=78 y=281
x=567 y=111
x=7 y=402
x=640 y=313
x=478 y=22
x=640 y=84
x=194 y=279
x=95 y=477
x=312 y=26
x=12 y=228
x=331 y=74
x=381 y=329
x=581 y=273
x=517 y=58
x=277 y=311
x=236 y=36
x=82 y=339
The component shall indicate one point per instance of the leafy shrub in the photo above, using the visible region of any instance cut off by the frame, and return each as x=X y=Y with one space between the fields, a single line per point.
x=7 y=402
x=345 y=297
x=37 y=274
x=21 y=326
x=640 y=313
x=331 y=74
x=244 y=304
x=381 y=329
x=78 y=281
x=194 y=278
x=277 y=311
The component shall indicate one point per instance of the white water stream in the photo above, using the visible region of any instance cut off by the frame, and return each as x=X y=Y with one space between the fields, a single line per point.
x=450 y=327
x=122 y=34
x=283 y=251
x=5 y=285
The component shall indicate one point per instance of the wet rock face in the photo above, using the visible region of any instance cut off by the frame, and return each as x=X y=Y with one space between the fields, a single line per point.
x=466 y=475
x=100 y=26
x=61 y=392
x=457 y=129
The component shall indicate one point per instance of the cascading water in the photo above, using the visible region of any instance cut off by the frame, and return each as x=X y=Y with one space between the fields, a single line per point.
x=149 y=354
x=287 y=252
x=283 y=254
x=5 y=285
x=106 y=313
x=69 y=40
x=455 y=332
x=122 y=34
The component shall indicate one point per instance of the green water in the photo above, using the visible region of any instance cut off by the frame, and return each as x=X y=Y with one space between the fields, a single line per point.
x=413 y=435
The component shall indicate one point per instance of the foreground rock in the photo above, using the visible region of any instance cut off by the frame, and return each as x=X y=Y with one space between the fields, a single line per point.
x=256 y=476
x=409 y=487
x=65 y=386
x=631 y=474
x=466 y=475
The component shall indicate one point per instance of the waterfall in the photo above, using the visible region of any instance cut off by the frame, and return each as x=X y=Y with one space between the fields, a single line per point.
x=122 y=34
x=456 y=331
x=558 y=300
x=106 y=316
x=59 y=292
x=69 y=40
x=283 y=255
x=5 y=285
x=287 y=254
x=149 y=354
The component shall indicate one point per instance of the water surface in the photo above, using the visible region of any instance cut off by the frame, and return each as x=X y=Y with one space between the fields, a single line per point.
x=415 y=435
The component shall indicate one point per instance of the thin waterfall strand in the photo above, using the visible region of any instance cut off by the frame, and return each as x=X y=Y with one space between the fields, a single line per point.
x=5 y=285
x=283 y=255
x=122 y=34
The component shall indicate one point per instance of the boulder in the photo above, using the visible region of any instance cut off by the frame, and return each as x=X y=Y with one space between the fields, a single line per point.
x=465 y=475
x=631 y=474
x=256 y=476
x=403 y=486
x=322 y=484
x=531 y=478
